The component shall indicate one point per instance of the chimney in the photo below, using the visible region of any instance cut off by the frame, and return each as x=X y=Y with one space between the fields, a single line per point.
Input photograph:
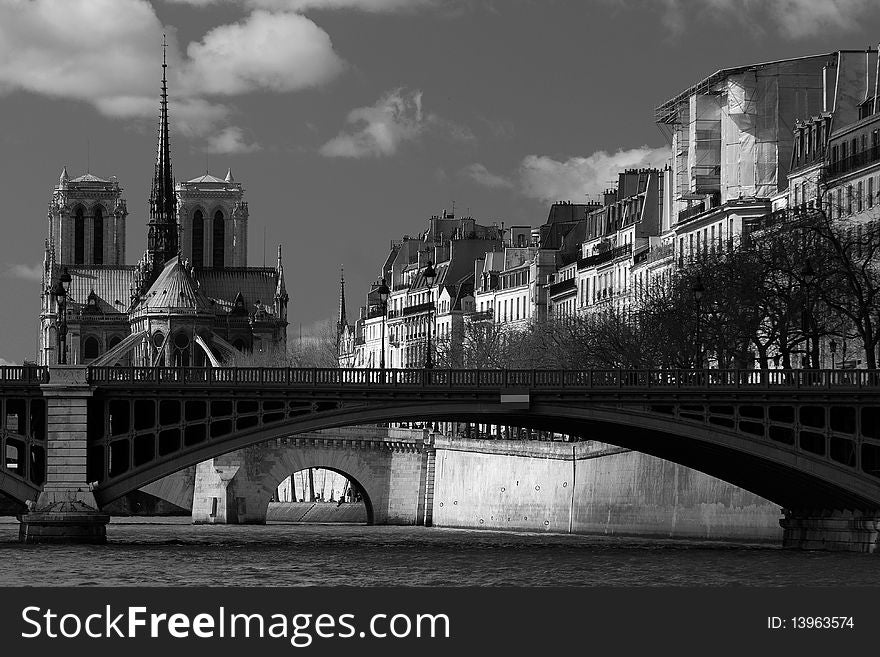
x=876 y=80
x=825 y=88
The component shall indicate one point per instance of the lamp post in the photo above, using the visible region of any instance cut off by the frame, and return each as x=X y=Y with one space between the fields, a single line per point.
x=429 y=275
x=832 y=347
x=60 y=294
x=698 y=291
x=808 y=275
x=384 y=292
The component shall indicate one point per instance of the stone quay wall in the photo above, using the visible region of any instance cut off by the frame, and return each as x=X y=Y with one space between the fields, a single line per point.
x=589 y=488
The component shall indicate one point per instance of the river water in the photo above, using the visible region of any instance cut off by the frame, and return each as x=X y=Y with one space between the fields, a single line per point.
x=170 y=551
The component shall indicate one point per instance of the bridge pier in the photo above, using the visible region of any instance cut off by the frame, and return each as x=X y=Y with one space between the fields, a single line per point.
x=65 y=511
x=839 y=531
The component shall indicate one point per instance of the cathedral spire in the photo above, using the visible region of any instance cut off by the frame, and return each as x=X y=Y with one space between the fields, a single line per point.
x=342 y=322
x=162 y=238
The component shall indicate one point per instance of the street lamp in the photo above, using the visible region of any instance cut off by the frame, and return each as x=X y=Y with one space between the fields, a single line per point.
x=698 y=291
x=60 y=294
x=808 y=276
x=384 y=292
x=429 y=275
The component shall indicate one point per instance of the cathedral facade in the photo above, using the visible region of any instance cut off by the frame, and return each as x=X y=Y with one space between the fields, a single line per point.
x=191 y=299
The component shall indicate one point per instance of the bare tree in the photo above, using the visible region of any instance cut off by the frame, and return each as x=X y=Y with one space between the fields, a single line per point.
x=317 y=349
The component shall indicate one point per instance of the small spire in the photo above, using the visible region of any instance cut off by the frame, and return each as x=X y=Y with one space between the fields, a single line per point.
x=280 y=288
x=64 y=176
x=229 y=177
x=342 y=321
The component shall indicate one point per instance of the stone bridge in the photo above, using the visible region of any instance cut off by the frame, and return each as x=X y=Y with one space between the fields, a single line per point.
x=391 y=469
x=807 y=440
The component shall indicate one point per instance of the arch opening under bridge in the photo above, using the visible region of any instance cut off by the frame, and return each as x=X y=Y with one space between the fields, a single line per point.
x=320 y=495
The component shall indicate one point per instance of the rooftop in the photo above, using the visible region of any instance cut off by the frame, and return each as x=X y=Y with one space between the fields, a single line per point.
x=665 y=113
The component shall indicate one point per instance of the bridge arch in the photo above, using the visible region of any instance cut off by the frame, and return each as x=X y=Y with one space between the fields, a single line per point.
x=387 y=474
x=282 y=460
x=782 y=474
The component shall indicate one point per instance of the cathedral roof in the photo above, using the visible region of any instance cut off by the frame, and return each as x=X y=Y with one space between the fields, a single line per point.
x=111 y=285
x=88 y=178
x=223 y=285
x=174 y=289
x=208 y=178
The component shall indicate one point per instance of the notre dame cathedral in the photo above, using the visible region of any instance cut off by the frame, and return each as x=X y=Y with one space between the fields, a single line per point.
x=191 y=300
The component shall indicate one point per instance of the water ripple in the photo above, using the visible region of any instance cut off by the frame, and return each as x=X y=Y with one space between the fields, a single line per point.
x=173 y=552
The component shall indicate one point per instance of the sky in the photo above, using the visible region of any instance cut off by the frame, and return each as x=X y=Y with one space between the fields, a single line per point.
x=351 y=122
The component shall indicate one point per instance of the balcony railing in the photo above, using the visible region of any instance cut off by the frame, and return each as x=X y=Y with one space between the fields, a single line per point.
x=605 y=256
x=418 y=308
x=692 y=211
x=535 y=380
x=854 y=161
x=482 y=315
x=562 y=287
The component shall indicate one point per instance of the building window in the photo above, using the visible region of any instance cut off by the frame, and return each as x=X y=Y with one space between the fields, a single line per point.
x=91 y=348
x=870 y=192
x=860 y=196
x=79 y=238
x=849 y=199
x=219 y=239
x=198 y=239
x=98 y=237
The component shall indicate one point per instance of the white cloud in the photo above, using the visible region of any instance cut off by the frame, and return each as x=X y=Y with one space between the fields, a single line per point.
x=546 y=179
x=26 y=272
x=106 y=52
x=481 y=175
x=3 y=361
x=86 y=50
x=230 y=140
x=379 y=130
x=374 y=6
x=275 y=52
x=793 y=19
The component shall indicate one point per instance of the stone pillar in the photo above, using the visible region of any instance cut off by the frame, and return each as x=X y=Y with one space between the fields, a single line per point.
x=224 y=494
x=212 y=503
x=839 y=531
x=65 y=511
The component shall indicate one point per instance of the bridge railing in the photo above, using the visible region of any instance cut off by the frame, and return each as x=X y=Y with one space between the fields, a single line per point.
x=36 y=374
x=449 y=378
